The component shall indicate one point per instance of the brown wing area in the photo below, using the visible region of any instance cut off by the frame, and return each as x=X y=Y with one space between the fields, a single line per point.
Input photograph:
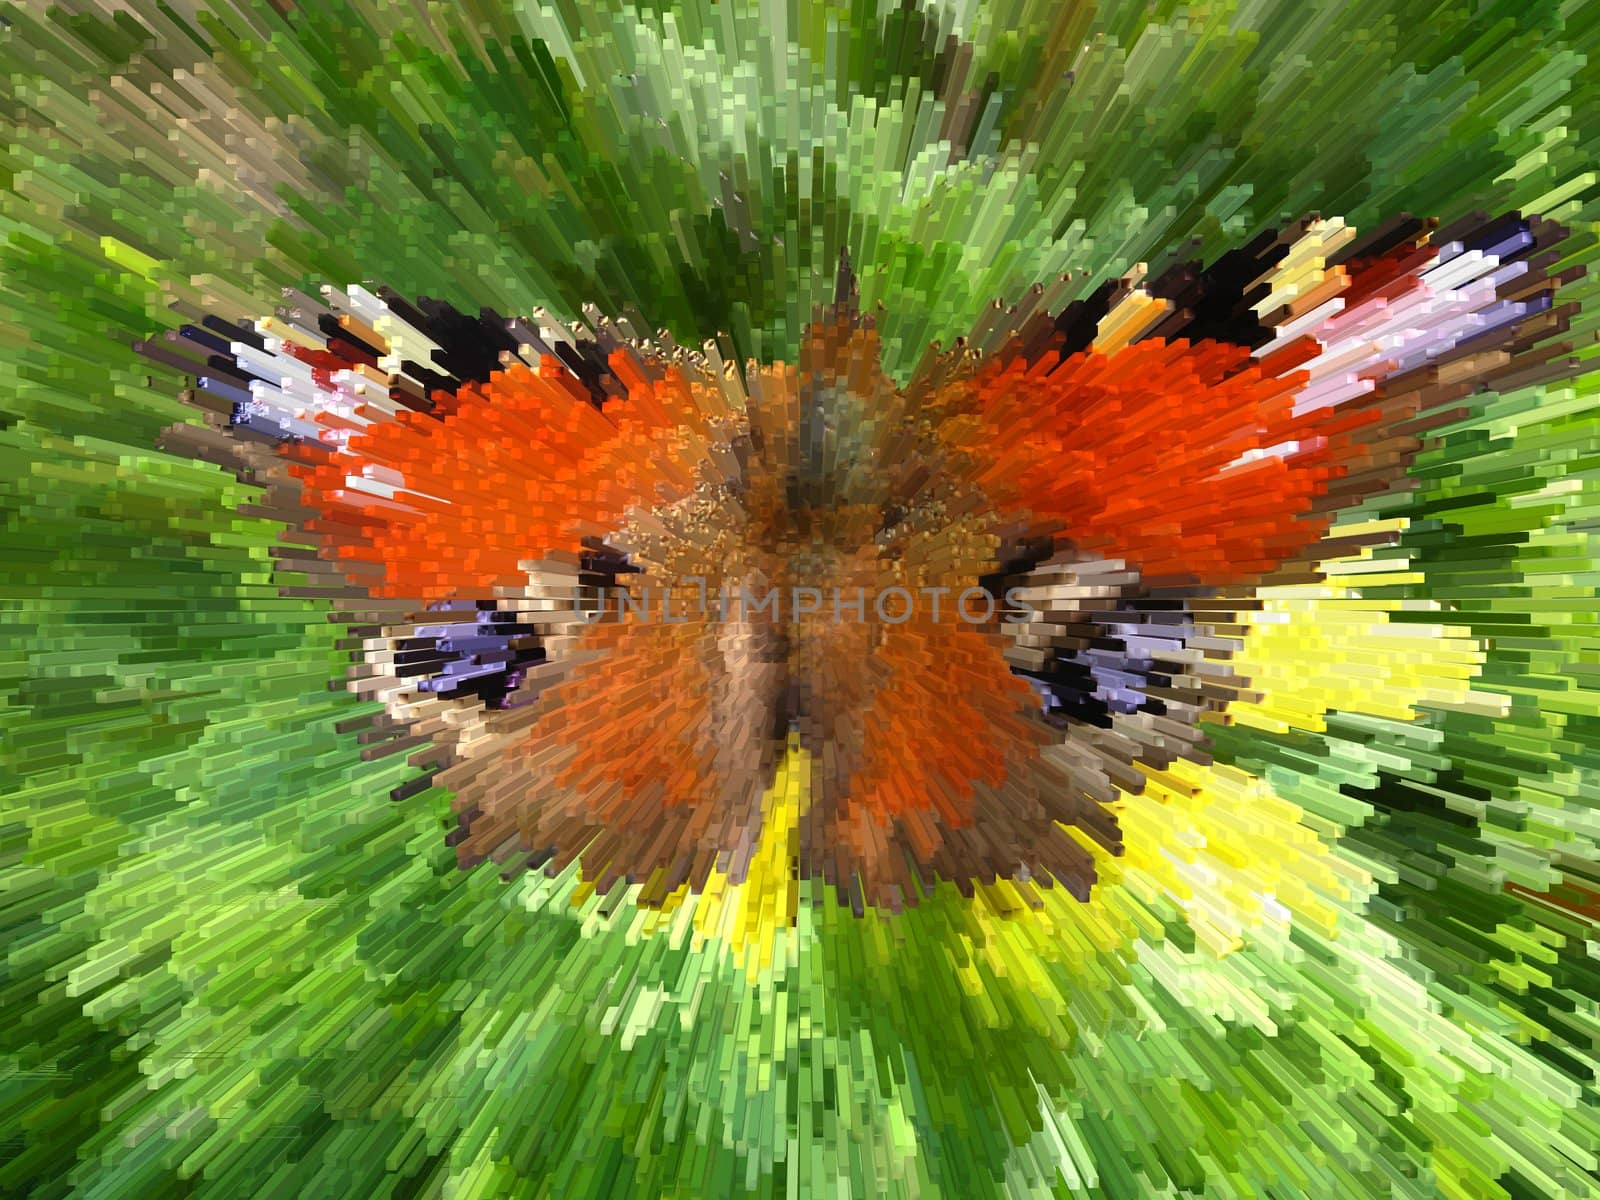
x=929 y=763
x=649 y=758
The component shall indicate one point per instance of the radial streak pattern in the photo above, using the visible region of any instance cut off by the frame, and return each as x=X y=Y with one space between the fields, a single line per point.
x=464 y=468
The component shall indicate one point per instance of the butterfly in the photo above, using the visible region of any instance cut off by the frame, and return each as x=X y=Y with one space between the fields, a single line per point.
x=1096 y=495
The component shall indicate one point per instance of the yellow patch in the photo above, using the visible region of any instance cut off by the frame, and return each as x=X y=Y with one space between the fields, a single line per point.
x=1316 y=648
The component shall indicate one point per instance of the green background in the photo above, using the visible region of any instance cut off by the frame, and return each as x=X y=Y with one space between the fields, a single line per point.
x=233 y=966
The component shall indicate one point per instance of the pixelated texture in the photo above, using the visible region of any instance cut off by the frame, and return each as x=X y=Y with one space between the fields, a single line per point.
x=1239 y=354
